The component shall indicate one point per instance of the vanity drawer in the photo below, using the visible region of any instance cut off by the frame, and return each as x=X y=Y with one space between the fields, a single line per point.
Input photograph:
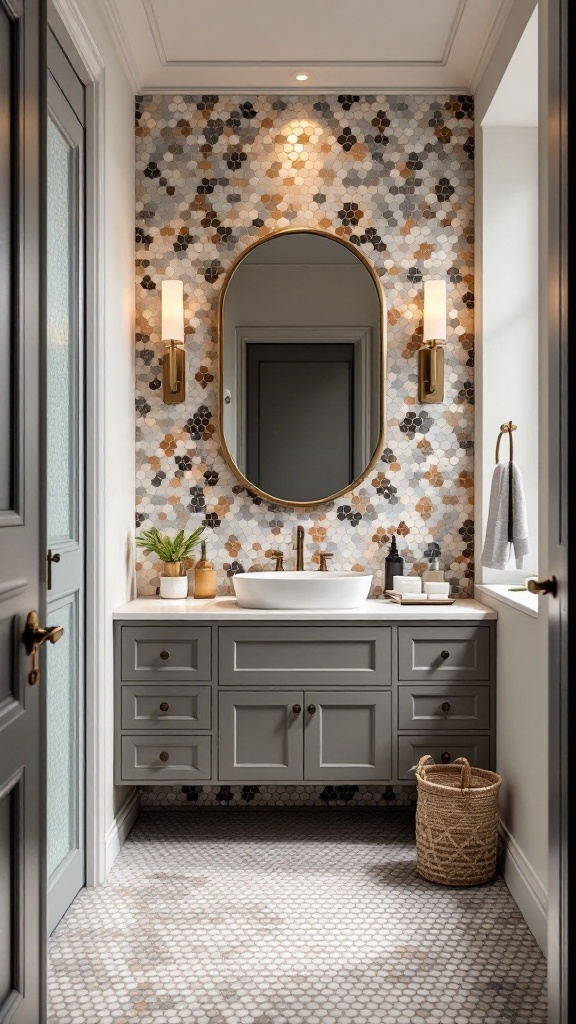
x=165 y=707
x=449 y=653
x=442 y=708
x=144 y=758
x=411 y=748
x=177 y=653
x=305 y=656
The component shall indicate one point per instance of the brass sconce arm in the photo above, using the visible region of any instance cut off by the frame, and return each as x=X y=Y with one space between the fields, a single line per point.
x=174 y=374
x=431 y=372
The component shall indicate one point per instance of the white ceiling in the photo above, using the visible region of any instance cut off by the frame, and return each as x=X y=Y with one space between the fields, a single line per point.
x=344 y=45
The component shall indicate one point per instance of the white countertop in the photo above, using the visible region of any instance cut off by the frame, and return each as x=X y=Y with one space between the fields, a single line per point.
x=227 y=608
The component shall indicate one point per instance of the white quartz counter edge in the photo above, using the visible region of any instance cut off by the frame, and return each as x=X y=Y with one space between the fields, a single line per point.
x=521 y=600
x=227 y=608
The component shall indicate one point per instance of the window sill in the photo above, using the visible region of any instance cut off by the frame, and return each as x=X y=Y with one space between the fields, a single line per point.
x=522 y=600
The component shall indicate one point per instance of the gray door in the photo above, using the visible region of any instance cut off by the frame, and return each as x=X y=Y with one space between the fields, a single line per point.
x=558 y=129
x=300 y=418
x=260 y=736
x=347 y=735
x=22 y=800
x=64 y=483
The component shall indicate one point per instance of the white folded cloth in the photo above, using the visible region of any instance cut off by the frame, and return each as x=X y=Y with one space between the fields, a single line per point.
x=507 y=526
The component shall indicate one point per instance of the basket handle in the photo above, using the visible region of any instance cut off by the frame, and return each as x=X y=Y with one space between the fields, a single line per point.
x=423 y=760
x=466 y=771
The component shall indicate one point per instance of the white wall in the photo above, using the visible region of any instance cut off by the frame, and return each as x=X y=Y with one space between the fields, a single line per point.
x=522 y=757
x=509 y=364
x=111 y=401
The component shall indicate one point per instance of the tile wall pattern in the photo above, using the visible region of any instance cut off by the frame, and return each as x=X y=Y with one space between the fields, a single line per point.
x=300 y=918
x=392 y=174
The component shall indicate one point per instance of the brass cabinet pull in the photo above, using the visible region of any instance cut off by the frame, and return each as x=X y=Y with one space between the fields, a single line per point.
x=164 y=655
x=311 y=709
x=33 y=637
x=296 y=708
x=445 y=706
x=445 y=757
x=543 y=586
x=164 y=706
x=164 y=755
x=444 y=654
x=50 y=558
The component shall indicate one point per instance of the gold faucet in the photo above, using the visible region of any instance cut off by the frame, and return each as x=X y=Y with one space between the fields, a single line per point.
x=299 y=548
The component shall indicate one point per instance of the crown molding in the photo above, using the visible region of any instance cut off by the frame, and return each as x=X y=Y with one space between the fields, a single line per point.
x=81 y=36
x=490 y=44
x=120 y=43
x=325 y=90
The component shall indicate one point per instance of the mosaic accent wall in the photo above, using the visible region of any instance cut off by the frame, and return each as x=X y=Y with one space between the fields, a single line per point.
x=392 y=174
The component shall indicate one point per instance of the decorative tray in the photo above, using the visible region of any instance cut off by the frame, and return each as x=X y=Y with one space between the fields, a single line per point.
x=399 y=599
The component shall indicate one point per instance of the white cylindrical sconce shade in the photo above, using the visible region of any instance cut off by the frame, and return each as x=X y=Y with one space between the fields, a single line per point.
x=173 y=311
x=434 y=311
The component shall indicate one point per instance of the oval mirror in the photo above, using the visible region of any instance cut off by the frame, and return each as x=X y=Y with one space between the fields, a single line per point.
x=302 y=360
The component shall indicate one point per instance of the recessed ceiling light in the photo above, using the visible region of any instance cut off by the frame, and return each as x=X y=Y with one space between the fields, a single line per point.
x=301 y=76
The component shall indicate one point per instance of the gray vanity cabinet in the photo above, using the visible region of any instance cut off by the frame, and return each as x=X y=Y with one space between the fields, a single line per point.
x=292 y=702
x=260 y=736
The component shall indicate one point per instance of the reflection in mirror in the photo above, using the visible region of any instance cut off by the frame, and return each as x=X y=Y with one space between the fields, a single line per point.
x=302 y=363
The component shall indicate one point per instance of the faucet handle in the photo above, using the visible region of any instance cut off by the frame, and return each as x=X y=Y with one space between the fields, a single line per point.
x=279 y=556
x=324 y=556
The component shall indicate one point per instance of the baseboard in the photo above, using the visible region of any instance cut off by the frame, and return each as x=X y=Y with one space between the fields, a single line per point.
x=525 y=887
x=120 y=828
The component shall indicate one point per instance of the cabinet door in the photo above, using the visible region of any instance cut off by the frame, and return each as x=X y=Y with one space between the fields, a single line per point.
x=347 y=735
x=260 y=736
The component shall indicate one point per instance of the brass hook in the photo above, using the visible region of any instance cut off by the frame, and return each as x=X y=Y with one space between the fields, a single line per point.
x=506 y=428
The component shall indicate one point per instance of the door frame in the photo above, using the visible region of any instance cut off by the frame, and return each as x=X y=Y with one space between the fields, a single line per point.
x=73 y=34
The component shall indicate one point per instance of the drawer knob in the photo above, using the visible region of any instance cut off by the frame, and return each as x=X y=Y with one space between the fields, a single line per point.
x=311 y=709
x=296 y=708
x=164 y=655
x=444 y=654
x=445 y=757
x=445 y=706
x=166 y=707
x=164 y=755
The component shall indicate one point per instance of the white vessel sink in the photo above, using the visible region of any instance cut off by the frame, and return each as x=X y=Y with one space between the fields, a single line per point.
x=301 y=589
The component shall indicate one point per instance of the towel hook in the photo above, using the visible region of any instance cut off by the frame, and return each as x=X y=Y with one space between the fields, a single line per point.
x=506 y=428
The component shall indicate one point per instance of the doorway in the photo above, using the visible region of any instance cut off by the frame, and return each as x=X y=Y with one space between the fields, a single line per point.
x=64 y=487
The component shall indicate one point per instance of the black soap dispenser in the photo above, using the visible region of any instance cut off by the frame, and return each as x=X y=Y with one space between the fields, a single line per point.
x=394 y=565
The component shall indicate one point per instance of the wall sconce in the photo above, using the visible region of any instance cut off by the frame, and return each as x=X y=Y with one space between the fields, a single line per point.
x=174 y=362
x=431 y=355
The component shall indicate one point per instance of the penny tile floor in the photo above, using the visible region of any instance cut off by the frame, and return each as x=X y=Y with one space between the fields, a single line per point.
x=276 y=916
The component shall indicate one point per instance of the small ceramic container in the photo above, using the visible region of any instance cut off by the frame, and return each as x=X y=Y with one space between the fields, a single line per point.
x=174 y=587
x=407 y=585
x=414 y=597
x=437 y=589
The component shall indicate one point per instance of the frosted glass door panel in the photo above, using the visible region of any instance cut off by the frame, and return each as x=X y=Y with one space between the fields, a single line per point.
x=62 y=341
x=62 y=723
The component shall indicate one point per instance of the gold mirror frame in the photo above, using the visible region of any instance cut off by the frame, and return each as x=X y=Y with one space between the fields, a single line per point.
x=383 y=339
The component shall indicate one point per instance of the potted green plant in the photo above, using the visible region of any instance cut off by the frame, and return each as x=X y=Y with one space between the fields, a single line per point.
x=172 y=551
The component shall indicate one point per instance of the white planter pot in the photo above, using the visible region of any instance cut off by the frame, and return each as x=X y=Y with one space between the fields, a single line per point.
x=174 y=587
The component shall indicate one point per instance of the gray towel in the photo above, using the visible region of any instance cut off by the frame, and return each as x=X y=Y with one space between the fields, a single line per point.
x=507 y=526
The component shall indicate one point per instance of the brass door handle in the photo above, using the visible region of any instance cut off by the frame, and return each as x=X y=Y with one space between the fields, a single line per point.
x=543 y=586
x=33 y=637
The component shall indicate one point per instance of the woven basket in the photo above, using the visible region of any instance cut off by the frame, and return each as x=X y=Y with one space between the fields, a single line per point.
x=456 y=822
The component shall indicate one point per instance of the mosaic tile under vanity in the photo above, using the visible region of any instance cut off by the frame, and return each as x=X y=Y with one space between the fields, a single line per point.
x=289 y=918
x=392 y=174
x=279 y=796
